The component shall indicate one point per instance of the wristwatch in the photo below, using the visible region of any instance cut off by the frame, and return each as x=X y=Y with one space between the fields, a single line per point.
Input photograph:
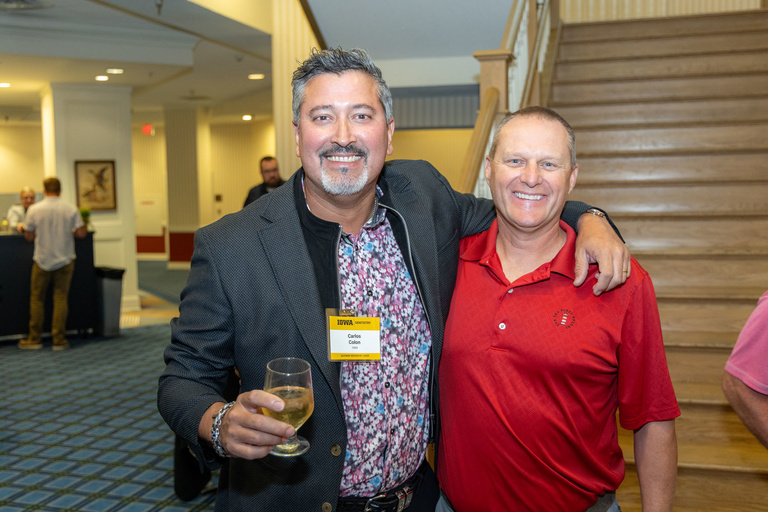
x=595 y=211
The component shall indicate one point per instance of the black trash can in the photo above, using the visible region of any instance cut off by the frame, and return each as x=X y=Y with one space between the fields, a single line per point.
x=110 y=287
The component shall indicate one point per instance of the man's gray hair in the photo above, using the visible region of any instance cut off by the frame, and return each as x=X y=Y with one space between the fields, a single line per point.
x=337 y=61
x=541 y=113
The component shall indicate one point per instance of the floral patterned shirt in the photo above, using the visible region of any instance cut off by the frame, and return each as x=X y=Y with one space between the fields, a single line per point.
x=385 y=402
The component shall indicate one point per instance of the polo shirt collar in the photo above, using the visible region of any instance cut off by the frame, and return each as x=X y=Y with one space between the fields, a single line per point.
x=481 y=248
x=565 y=260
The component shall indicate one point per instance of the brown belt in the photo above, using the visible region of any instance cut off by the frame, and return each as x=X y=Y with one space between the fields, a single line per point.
x=603 y=503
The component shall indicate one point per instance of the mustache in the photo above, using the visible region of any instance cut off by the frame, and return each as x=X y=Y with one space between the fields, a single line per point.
x=335 y=149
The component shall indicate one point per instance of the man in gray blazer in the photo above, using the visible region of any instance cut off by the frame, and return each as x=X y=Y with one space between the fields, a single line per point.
x=347 y=231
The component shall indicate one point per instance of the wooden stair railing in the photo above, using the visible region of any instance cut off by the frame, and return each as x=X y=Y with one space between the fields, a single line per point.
x=532 y=90
x=481 y=134
x=512 y=73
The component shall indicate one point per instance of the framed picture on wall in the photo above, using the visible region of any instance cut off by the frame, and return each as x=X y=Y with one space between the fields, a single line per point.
x=95 y=181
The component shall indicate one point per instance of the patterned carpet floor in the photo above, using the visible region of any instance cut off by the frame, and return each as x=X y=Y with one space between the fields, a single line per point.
x=80 y=429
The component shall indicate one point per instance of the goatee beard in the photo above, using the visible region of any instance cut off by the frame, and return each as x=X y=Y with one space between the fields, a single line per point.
x=341 y=183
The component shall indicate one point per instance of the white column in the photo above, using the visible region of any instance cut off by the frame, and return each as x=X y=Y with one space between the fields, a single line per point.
x=93 y=122
x=292 y=41
x=186 y=181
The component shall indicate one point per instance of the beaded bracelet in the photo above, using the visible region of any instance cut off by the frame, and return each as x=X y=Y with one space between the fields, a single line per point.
x=215 y=441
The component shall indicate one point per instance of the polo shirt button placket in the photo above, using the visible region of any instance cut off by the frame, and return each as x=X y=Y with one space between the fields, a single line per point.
x=502 y=326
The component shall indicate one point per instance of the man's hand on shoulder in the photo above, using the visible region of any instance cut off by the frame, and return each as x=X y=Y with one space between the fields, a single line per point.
x=598 y=243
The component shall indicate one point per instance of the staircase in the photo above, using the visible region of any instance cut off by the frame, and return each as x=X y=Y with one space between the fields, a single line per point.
x=671 y=121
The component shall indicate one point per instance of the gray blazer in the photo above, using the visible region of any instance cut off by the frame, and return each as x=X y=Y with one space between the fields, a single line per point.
x=252 y=296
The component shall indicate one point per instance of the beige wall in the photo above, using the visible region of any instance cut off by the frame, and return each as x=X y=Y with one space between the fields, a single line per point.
x=235 y=153
x=254 y=13
x=444 y=149
x=21 y=158
x=236 y=150
x=292 y=41
x=574 y=11
x=150 y=190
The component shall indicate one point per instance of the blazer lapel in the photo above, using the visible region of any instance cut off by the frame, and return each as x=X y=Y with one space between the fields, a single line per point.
x=284 y=244
x=420 y=224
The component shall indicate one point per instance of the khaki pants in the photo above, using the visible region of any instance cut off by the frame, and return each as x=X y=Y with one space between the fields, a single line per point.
x=39 y=283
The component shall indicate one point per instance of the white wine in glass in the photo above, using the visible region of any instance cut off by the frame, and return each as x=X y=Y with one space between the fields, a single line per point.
x=290 y=379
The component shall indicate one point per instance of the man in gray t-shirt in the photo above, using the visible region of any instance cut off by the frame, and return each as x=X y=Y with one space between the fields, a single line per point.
x=53 y=226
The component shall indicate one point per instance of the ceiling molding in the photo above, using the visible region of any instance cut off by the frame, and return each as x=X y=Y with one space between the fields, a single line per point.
x=313 y=24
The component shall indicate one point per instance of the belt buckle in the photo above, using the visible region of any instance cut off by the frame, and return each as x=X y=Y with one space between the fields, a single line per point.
x=404 y=497
x=371 y=501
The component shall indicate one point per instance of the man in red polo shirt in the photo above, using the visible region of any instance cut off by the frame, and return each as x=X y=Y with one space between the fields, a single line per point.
x=534 y=369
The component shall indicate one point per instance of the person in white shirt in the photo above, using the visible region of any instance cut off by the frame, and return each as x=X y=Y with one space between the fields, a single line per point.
x=17 y=213
x=53 y=226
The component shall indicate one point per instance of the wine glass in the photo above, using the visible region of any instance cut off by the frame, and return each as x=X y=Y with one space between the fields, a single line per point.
x=290 y=379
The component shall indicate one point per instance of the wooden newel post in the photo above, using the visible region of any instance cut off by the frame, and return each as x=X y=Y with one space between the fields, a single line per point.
x=494 y=74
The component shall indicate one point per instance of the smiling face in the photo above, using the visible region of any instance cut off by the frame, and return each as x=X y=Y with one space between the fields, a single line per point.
x=342 y=136
x=530 y=174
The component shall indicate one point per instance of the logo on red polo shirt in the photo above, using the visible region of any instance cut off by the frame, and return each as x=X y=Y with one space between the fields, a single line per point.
x=565 y=318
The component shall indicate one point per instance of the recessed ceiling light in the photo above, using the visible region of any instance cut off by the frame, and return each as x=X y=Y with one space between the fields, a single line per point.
x=256 y=76
x=115 y=71
x=4 y=84
x=102 y=78
x=247 y=117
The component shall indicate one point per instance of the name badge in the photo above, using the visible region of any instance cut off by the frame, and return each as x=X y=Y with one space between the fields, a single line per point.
x=353 y=338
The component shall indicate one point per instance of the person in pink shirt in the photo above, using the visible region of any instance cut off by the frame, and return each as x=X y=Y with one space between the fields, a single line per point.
x=745 y=380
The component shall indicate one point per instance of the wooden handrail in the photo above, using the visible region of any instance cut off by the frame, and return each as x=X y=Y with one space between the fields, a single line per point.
x=479 y=140
x=513 y=25
x=494 y=81
x=548 y=73
x=533 y=61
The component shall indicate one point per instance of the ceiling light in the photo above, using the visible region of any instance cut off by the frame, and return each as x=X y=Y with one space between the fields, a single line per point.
x=256 y=76
x=102 y=78
x=247 y=117
x=115 y=71
x=5 y=84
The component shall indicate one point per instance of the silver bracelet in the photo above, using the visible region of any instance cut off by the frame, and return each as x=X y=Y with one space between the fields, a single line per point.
x=215 y=430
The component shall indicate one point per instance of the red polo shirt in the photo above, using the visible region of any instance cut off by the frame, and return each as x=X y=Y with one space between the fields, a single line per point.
x=531 y=376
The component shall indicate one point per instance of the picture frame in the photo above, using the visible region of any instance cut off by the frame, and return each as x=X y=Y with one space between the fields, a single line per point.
x=95 y=184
